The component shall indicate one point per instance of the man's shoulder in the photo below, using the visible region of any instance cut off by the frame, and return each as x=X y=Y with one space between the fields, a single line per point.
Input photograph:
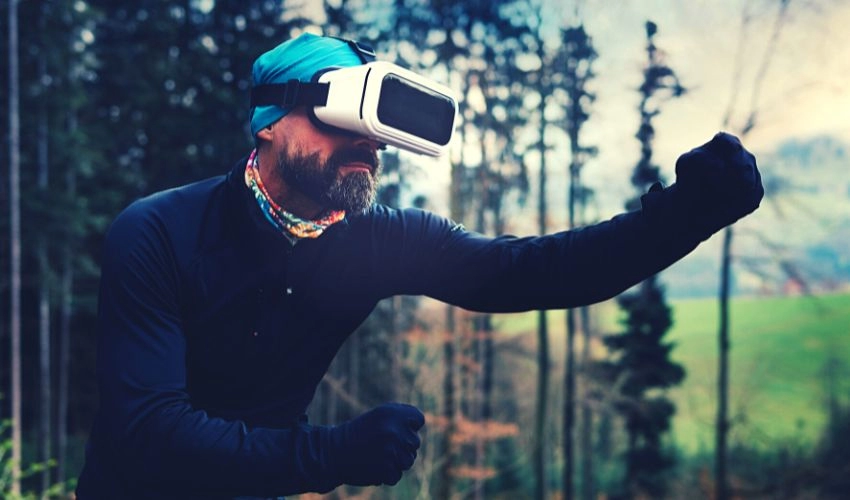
x=177 y=213
x=181 y=198
x=404 y=221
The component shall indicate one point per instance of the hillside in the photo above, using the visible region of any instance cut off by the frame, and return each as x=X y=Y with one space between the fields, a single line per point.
x=785 y=351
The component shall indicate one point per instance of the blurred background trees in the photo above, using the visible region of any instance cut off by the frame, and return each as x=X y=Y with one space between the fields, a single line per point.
x=118 y=100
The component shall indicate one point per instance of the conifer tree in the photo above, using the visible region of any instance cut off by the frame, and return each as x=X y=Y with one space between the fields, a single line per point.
x=640 y=358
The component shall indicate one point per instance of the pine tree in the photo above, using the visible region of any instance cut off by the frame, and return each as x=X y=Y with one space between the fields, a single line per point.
x=641 y=363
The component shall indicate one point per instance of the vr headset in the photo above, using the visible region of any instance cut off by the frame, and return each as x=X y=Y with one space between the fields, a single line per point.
x=377 y=99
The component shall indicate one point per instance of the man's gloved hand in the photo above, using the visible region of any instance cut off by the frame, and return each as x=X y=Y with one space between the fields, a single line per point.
x=376 y=447
x=717 y=184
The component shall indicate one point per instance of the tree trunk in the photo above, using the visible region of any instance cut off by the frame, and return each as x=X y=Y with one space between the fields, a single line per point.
x=539 y=443
x=587 y=482
x=722 y=423
x=569 y=408
x=445 y=480
x=479 y=327
x=14 y=244
x=396 y=349
x=569 y=369
x=538 y=453
x=484 y=410
x=64 y=364
x=631 y=473
x=44 y=363
x=487 y=365
x=44 y=347
x=65 y=316
x=444 y=475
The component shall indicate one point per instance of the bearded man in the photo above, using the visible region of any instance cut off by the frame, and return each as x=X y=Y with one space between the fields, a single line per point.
x=223 y=302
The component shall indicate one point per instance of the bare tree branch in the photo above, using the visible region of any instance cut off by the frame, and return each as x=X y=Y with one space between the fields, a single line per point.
x=738 y=67
x=767 y=59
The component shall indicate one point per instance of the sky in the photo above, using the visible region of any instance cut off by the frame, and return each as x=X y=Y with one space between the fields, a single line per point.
x=806 y=91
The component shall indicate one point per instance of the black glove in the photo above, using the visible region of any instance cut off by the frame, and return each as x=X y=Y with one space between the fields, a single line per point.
x=376 y=447
x=716 y=184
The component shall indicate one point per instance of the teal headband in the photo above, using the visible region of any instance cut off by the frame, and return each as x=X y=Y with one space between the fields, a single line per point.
x=299 y=59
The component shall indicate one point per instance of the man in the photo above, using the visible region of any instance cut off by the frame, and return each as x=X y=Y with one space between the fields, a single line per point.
x=223 y=302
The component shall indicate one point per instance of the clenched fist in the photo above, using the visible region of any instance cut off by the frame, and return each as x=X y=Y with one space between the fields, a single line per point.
x=376 y=447
x=716 y=184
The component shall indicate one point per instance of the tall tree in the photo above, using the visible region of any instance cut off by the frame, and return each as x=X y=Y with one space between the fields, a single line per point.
x=66 y=312
x=723 y=335
x=641 y=363
x=587 y=420
x=73 y=218
x=538 y=446
x=499 y=175
x=57 y=65
x=44 y=268
x=579 y=55
x=14 y=241
x=459 y=37
x=415 y=22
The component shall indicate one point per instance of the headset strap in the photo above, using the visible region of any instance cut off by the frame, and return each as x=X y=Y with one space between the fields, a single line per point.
x=364 y=51
x=296 y=92
x=290 y=94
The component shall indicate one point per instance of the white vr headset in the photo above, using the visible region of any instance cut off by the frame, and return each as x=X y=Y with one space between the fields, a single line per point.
x=379 y=100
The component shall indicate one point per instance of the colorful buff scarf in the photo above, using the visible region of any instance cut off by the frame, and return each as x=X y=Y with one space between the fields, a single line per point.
x=290 y=225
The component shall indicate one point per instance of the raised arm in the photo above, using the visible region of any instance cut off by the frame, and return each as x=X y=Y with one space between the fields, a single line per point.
x=717 y=183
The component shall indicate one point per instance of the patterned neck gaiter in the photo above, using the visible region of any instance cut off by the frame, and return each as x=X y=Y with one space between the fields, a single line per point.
x=289 y=224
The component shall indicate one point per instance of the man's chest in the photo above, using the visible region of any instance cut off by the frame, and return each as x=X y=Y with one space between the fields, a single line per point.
x=260 y=322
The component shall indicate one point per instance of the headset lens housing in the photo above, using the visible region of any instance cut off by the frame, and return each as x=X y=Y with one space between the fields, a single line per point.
x=415 y=109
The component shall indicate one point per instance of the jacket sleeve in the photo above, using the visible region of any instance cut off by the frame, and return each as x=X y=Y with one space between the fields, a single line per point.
x=432 y=256
x=148 y=424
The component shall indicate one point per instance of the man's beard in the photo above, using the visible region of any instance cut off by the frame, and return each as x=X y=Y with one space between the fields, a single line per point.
x=321 y=182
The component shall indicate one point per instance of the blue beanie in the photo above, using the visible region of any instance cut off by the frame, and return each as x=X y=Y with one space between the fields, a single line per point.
x=300 y=59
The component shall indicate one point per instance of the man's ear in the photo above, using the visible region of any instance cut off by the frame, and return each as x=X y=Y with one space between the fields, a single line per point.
x=265 y=133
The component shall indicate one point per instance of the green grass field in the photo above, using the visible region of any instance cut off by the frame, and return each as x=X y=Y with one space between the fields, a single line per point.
x=780 y=349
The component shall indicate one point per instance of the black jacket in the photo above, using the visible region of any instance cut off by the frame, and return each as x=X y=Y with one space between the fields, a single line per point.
x=214 y=330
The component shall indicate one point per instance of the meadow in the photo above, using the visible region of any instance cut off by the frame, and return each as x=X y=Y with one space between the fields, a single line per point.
x=788 y=354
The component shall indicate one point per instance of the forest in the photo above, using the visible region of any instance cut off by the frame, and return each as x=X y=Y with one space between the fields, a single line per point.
x=638 y=397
